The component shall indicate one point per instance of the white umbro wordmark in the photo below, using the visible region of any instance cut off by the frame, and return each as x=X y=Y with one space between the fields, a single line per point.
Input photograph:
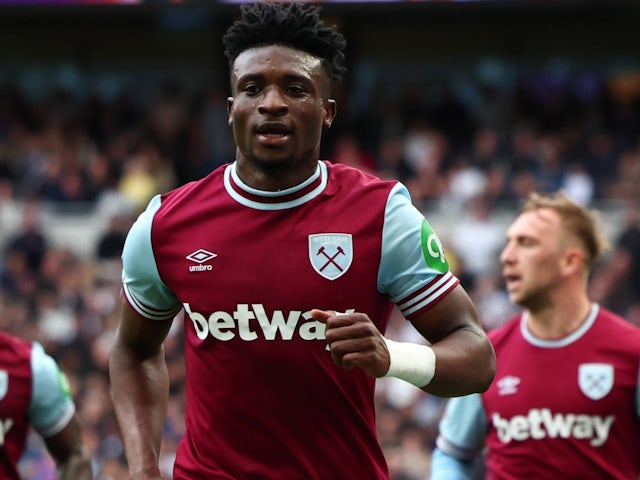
x=200 y=256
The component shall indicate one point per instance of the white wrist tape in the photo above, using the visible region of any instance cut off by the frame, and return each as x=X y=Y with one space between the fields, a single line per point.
x=411 y=362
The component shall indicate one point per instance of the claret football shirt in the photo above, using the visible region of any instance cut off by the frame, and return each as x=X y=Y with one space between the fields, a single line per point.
x=565 y=409
x=33 y=393
x=263 y=398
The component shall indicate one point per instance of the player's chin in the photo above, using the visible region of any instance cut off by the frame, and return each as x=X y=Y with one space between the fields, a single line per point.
x=271 y=159
x=515 y=296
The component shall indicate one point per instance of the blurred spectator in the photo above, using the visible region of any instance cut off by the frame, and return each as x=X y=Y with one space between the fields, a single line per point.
x=549 y=171
x=522 y=183
x=111 y=241
x=487 y=149
x=616 y=284
x=578 y=185
x=348 y=151
x=167 y=127
x=422 y=144
x=522 y=146
x=425 y=150
x=30 y=240
x=477 y=239
x=601 y=158
x=138 y=183
x=392 y=162
x=491 y=301
x=625 y=185
x=466 y=181
x=10 y=209
x=213 y=132
x=410 y=457
x=56 y=322
x=17 y=281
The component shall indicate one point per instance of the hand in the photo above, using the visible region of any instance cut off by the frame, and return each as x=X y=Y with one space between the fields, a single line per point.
x=354 y=341
x=150 y=473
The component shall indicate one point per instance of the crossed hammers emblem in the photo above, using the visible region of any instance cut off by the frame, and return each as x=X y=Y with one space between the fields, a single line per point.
x=595 y=379
x=331 y=259
x=597 y=382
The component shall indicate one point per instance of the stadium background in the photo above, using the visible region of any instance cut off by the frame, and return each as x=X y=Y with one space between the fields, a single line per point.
x=471 y=104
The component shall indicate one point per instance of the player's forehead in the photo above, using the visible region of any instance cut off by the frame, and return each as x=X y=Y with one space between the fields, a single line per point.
x=276 y=60
x=539 y=223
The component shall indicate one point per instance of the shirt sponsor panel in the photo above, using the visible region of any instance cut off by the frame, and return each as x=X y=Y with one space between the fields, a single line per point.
x=432 y=249
x=251 y=322
x=541 y=423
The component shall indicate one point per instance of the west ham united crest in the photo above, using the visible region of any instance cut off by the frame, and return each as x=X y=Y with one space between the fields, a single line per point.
x=595 y=379
x=331 y=254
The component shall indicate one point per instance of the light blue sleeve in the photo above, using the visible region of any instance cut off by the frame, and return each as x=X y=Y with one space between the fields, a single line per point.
x=446 y=467
x=412 y=254
x=141 y=282
x=51 y=406
x=461 y=439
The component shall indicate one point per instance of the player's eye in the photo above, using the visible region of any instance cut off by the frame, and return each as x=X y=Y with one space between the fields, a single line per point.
x=251 y=89
x=527 y=242
x=295 y=90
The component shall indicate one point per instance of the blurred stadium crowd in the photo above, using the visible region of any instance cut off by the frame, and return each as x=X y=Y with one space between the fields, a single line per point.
x=466 y=164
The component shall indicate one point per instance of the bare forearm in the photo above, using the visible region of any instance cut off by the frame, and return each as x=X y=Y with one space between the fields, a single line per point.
x=465 y=363
x=77 y=467
x=73 y=462
x=140 y=393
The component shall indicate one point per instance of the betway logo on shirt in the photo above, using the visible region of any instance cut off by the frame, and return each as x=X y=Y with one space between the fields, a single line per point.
x=541 y=423
x=250 y=322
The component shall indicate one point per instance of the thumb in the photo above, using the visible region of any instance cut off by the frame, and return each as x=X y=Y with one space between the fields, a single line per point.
x=321 y=315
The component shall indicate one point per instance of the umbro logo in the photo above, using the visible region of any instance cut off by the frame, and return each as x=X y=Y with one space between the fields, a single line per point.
x=201 y=256
x=508 y=385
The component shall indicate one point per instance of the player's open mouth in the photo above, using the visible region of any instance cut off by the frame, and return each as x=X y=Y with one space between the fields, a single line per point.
x=511 y=281
x=272 y=133
x=272 y=139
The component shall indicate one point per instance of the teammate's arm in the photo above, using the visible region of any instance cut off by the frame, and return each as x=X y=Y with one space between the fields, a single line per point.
x=447 y=467
x=66 y=448
x=52 y=414
x=461 y=439
x=140 y=389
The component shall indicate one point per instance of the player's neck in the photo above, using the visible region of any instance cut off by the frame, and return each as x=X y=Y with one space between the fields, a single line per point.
x=274 y=178
x=560 y=318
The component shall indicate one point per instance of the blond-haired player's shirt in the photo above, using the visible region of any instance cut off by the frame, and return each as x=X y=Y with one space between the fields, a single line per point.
x=564 y=409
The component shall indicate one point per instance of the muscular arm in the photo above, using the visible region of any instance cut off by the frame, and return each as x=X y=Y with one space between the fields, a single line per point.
x=415 y=274
x=140 y=389
x=465 y=360
x=66 y=447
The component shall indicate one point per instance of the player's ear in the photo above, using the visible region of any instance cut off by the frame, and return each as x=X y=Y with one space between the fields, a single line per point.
x=330 y=110
x=573 y=260
x=229 y=107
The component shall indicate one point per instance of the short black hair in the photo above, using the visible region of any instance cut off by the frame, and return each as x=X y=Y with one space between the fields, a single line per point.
x=294 y=25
